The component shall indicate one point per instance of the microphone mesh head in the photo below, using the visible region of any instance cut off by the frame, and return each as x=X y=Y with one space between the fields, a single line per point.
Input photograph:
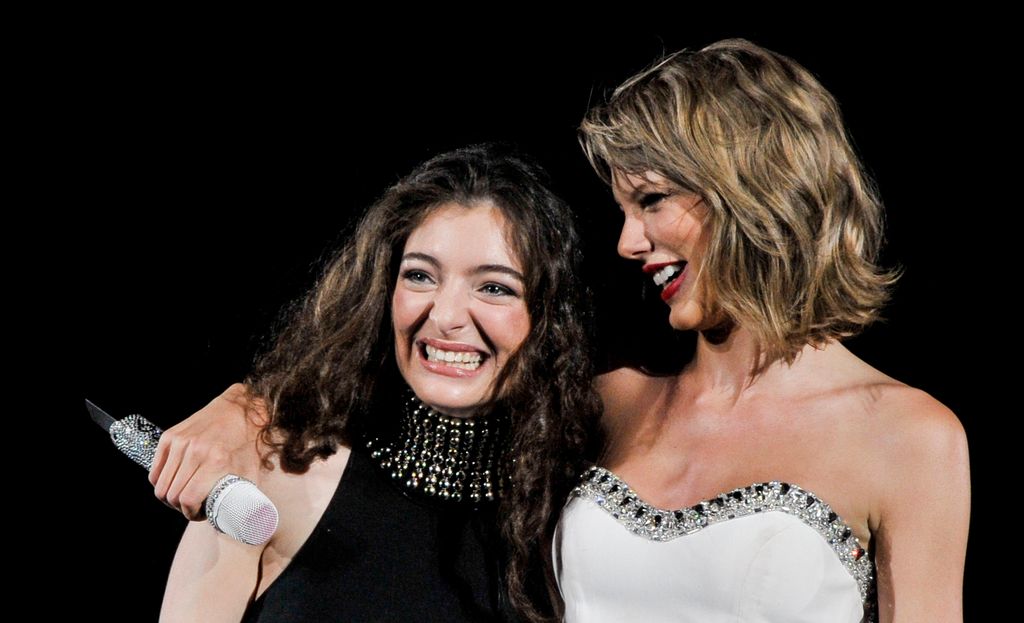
x=241 y=511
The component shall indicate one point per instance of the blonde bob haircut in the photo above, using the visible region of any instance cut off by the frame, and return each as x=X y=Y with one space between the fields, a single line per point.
x=794 y=224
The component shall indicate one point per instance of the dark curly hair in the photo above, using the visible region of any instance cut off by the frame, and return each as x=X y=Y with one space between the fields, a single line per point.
x=334 y=359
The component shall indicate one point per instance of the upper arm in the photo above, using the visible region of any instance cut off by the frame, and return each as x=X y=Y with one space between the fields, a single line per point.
x=213 y=577
x=923 y=512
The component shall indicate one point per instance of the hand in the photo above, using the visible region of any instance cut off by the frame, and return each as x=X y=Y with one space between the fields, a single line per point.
x=221 y=438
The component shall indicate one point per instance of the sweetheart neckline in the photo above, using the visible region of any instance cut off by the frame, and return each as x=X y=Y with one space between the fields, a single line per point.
x=617 y=498
x=720 y=495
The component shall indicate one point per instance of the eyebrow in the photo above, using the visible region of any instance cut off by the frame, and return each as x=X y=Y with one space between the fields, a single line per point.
x=429 y=259
x=483 y=268
x=499 y=268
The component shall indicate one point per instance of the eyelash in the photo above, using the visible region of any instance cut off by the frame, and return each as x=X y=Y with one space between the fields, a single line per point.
x=502 y=290
x=650 y=199
x=416 y=276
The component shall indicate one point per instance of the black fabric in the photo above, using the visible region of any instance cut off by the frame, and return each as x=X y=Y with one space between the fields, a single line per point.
x=378 y=554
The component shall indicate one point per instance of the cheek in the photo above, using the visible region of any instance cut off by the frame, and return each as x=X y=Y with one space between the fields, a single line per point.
x=679 y=232
x=404 y=312
x=516 y=326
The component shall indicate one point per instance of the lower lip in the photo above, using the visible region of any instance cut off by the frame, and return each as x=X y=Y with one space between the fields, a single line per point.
x=444 y=369
x=674 y=285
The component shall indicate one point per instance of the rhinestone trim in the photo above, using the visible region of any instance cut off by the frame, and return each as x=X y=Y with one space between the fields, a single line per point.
x=609 y=492
x=445 y=457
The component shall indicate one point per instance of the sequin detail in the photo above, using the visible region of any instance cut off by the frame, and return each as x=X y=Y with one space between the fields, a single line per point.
x=137 y=437
x=613 y=495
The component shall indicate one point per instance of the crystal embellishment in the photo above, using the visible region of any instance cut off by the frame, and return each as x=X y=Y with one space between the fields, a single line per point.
x=613 y=495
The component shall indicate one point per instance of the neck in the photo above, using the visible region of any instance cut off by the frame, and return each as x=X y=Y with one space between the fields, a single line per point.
x=445 y=457
x=727 y=367
x=724 y=365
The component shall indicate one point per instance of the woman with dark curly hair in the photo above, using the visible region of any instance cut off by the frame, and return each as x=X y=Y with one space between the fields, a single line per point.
x=422 y=407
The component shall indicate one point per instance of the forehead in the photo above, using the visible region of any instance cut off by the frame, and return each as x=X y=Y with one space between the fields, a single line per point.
x=476 y=234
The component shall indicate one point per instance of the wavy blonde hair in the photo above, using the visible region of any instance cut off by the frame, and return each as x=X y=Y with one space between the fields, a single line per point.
x=795 y=223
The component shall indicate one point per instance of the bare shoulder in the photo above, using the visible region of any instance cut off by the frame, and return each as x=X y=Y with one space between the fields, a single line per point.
x=301 y=500
x=920 y=507
x=323 y=473
x=914 y=425
x=623 y=389
x=898 y=423
x=921 y=456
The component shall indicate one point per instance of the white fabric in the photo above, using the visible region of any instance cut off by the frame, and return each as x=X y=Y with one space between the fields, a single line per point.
x=765 y=567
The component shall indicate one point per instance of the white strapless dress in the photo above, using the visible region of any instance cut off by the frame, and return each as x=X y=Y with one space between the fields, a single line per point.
x=770 y=552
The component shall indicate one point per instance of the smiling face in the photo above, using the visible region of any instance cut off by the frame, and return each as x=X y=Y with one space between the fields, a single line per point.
x=459 y=310
x=663 y=228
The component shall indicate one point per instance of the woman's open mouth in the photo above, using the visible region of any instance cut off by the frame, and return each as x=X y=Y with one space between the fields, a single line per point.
x=670 y=278
x=457 y=360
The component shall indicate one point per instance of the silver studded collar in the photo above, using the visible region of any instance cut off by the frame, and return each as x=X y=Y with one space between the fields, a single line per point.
x=448 y=458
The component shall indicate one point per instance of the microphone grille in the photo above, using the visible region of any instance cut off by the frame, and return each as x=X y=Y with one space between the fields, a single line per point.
x=240 y=510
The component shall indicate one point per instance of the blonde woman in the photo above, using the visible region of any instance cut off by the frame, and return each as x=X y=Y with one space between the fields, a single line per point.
x=777 y=477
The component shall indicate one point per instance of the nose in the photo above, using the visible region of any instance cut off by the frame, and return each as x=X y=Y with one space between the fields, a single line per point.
x=633 y=242
x=450 y=311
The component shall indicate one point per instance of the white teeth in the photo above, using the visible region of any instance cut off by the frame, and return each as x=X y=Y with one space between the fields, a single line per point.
x=456 y=359
x=665 y=275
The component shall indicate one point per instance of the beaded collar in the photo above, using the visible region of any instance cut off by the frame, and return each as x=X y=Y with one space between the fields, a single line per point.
x=444 y=457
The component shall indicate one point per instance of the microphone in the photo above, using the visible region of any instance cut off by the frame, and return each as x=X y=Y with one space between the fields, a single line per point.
x=235 y=506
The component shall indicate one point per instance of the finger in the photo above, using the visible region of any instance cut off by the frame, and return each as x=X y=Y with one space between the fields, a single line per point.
x=174 y=457
x=186 y=469
x=160 y=457
x=202 y=467
x=193 y=496
x=181 y=493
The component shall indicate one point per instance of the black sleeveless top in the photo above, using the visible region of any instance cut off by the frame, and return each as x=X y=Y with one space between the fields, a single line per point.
x=380 y=554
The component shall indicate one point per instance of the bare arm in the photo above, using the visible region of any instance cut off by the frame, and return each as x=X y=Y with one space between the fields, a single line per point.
x=221 y=438
x=923 y=513
x=213 y=577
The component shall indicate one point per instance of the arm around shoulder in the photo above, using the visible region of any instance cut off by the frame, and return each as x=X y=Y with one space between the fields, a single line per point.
x=221 y=438
x=923 y=510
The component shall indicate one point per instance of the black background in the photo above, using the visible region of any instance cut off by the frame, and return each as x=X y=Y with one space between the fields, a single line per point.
x=202 y=173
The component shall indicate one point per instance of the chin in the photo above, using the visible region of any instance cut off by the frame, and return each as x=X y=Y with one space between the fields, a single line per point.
x=456 y=402
x=687 y=318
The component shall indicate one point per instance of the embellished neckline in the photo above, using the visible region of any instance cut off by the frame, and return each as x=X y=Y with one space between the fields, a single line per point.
x=442 y=457
x=612 y=494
